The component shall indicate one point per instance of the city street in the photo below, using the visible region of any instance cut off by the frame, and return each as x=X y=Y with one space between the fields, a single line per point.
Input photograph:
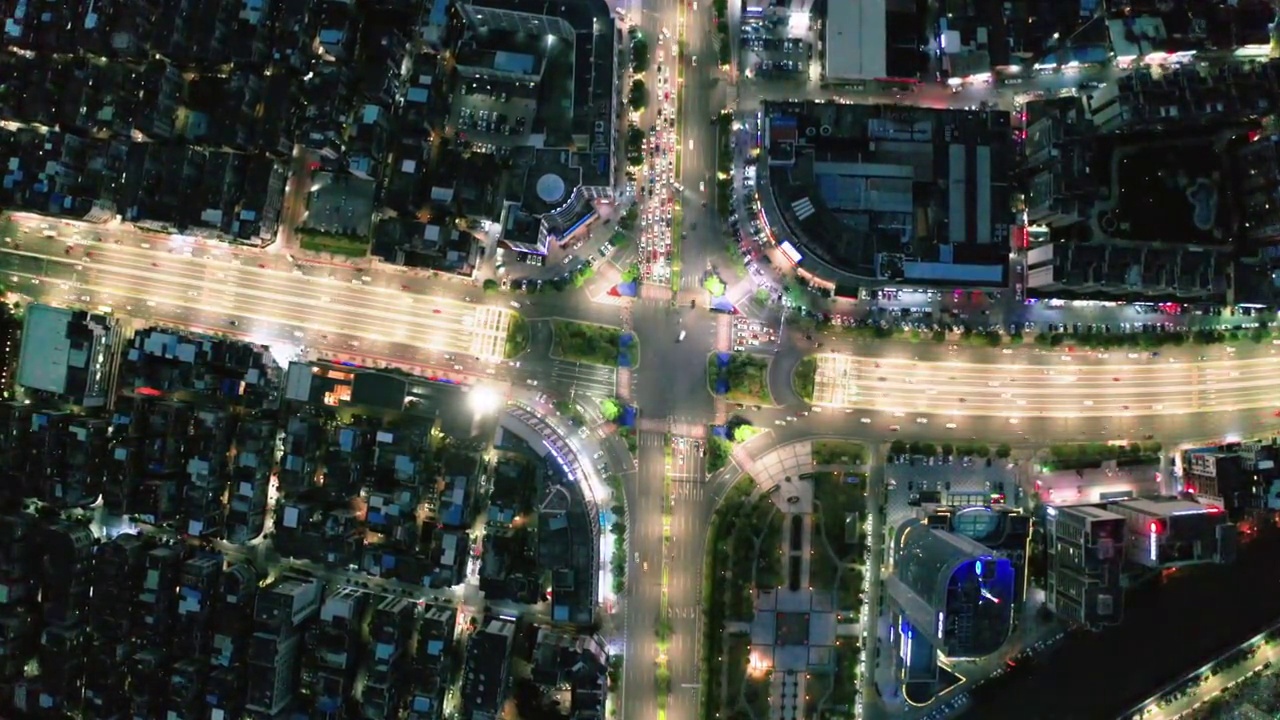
x=362 y=312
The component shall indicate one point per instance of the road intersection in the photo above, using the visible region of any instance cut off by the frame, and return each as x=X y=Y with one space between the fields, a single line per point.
x=431 y=324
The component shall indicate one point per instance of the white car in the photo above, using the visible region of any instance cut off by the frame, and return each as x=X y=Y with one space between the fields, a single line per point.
x=922 y=420
x=951 y=426
x=865 y=421
x=598 y=455
x=531 y=381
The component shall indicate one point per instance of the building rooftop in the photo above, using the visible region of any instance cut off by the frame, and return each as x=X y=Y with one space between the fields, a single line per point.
x=855 y=40
x=60 y=352
x=893 y=192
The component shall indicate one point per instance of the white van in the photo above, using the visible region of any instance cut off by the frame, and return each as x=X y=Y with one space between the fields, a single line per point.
x=681 y=338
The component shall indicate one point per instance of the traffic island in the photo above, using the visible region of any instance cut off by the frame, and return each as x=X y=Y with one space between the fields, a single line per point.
x=591 y=343
x=803 y=377
x=723 y=438
x=517 y=337
x=739 y=378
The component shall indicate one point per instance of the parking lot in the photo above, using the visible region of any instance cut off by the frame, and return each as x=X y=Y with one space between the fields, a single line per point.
x=966 y=482
x=779 y=47
x=752 y=336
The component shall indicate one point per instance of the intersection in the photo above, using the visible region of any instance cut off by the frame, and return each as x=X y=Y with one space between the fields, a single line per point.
x=871 y=392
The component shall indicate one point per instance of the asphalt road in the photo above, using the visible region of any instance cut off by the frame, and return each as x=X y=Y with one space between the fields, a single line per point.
x=418 y=319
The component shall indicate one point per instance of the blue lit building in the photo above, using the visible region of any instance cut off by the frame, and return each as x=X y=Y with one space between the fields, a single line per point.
x=950 y=597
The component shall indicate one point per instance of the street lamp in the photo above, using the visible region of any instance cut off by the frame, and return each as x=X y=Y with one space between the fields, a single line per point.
x=485 y=400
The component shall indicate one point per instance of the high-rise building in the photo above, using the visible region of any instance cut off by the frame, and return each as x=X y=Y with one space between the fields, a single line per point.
x=279 y=614
x=484 y=676
x=1085 y=547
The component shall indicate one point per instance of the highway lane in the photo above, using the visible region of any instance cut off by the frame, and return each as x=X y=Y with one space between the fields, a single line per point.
x=219 y=292
x=644 y=577
x=1070 y=388
x=691 y=506
x=704 y=93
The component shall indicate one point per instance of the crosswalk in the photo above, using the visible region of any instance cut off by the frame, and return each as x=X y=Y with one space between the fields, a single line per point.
x=660 y=292
x=688 y=489
x=577 y=377
x=686 y=612
x=652 y=439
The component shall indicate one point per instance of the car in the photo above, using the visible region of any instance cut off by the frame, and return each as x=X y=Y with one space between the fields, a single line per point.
x=515 y=304
x=865 y=421
x=951 y=426
x=598 y=455
x=922 y=420
x=895 y=428
x=533 y=382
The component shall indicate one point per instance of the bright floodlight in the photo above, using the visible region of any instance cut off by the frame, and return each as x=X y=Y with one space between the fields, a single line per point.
x=485 y=400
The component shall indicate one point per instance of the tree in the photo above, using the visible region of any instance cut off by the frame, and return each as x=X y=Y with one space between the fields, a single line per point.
x=714 y=285
x=638 y=98
x=610 y=409
x=639 y=55
x=1004 y=451
x=897 y=447
x=914 y=447
x=490 y=285
x=762 y=295
x=948 y=449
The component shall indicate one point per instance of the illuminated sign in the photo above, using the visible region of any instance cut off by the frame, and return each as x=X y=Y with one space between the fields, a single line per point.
x=790 y=251
x=1155 y=541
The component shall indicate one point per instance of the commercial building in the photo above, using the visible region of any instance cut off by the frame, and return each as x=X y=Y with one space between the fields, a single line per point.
x=1085 y=548
x=540 y=84
x=1094 y=551
x=869 y=195
x=1241 y=478
x=949 y=597
x=1168 y=532
x=68 y=353
x=855 y=41
x=871 y=41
